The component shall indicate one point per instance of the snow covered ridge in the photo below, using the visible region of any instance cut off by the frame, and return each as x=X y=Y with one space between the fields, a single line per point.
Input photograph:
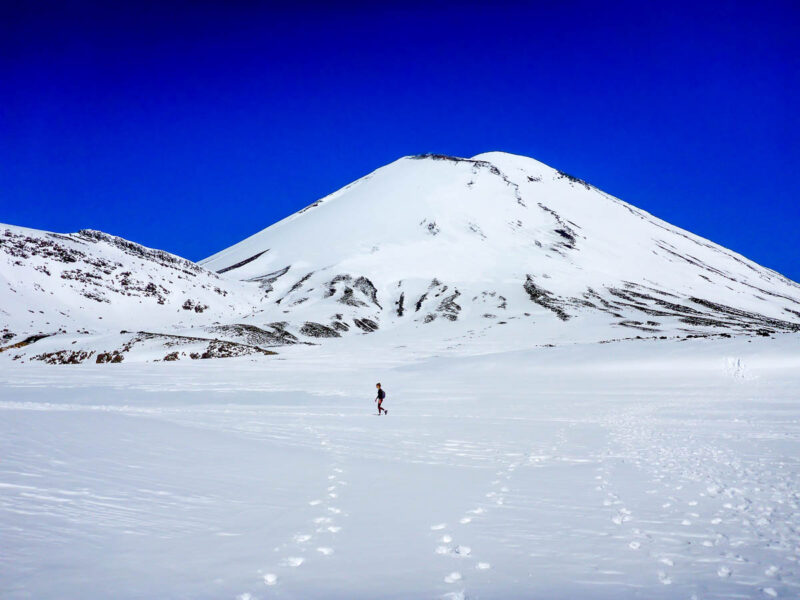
x=494 y=251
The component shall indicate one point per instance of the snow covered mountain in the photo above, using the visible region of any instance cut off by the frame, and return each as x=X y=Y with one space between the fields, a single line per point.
x=499 y=240
x=496 y=251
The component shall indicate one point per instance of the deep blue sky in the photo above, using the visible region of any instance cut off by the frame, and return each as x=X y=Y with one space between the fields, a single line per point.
x=189 y=126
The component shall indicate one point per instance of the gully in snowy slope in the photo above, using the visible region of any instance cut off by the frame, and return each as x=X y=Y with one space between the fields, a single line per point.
x=379 y=399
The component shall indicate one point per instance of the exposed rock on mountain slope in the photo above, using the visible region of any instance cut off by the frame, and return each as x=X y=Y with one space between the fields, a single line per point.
x=498 y=250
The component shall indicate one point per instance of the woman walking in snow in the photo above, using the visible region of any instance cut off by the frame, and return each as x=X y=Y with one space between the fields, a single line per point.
x=379 y=399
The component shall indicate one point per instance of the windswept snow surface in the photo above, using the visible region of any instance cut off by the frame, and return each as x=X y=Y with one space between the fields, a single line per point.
x=637 y=469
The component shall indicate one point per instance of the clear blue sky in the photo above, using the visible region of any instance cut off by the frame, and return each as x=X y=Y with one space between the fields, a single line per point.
x=189 y=126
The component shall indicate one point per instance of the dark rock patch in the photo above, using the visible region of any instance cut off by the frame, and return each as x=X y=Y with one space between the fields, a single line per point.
x=318 y=330
x=753 y=318
x=340 y=325
x=195 y=306
x=366 y=287
x=348 y=298
x=573 y=180
x=367 y=325
x=63 y=357
x=241 y=264
x=274 y=334
x=265 y=281
x=109 y=357
x=448 y=308
x=295 y=287
x=544 y=299
x=399 y=304
x=26 y=342
x=420 y=301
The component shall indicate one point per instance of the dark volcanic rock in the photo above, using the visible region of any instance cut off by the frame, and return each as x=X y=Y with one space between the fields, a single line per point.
x=544 y=299
x=367 y=325
x=318 y=330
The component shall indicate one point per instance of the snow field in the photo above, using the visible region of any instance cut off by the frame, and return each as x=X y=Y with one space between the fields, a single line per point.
x=634 y=470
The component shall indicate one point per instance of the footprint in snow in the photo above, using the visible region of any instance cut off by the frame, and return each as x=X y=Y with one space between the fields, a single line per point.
x=463 y=550
x=483 y=566
x=446 y=539
x=664 y=578
x=724 y=571
x=334 y=529
x=270 y=579
x=452 y=577
x=465 y=520
x=620 y=518
x=301 y=538
x=770 y=592
x=294 y=561
x=315 y=502
x=438 y=527
x=634 y=545
x=325 y=551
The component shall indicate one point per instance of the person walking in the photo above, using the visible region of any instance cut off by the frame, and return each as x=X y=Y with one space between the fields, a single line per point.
x=379 y=399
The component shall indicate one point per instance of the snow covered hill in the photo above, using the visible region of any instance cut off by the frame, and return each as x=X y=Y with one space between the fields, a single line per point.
x=79 y=291
x=493 y=252
x=499 y=240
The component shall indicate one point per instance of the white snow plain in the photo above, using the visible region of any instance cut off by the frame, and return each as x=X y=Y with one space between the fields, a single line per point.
x=635 y=469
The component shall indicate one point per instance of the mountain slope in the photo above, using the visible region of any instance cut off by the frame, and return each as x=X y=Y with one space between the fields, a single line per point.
x=493 y=238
